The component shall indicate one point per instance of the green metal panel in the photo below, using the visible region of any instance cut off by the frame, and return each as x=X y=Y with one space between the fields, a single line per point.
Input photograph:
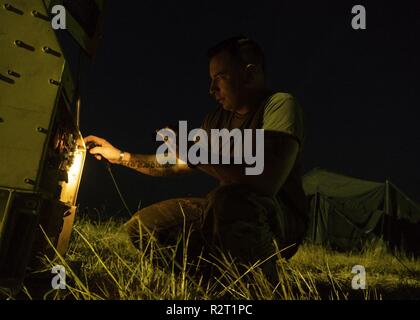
x=17 y=232
x=39 y=138
x=31 y=66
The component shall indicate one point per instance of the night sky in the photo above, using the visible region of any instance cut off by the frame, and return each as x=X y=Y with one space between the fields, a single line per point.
x=359 y=89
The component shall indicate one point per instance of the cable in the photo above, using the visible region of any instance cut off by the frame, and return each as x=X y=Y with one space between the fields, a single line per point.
x=108 y=166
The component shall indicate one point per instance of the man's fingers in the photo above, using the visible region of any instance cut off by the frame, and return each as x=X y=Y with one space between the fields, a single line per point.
x=89 y=138
x=98 y=157
x=95 y=150
x=94 y=139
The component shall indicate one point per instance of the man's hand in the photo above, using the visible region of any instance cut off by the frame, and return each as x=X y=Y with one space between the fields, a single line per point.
x=103 y=149
x=144 y=163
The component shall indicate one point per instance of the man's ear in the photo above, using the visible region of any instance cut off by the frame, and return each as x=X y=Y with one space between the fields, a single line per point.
x=250 y=74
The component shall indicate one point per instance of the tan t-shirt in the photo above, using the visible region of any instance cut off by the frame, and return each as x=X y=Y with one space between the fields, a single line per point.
x=278 y=112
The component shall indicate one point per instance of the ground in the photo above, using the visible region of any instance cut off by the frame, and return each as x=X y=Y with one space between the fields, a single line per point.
x=102 y=264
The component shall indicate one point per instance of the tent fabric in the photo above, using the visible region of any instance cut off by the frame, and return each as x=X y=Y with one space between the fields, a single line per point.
x=344 y=211
x=402 y=206
x=336 y=185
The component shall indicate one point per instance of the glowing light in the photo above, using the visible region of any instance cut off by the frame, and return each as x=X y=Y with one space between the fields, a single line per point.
x=76 y=168
x=70 y=189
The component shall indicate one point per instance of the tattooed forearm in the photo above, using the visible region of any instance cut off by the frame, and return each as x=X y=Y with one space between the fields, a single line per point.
x=148 y=164
x=138 y=164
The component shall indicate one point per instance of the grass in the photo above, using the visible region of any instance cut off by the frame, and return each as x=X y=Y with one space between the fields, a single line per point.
x=102 y=264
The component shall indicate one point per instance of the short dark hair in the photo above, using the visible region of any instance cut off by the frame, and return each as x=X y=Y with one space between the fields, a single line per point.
x=242 y=49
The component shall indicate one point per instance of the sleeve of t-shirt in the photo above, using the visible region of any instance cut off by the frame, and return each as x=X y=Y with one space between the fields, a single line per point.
x=283 y=114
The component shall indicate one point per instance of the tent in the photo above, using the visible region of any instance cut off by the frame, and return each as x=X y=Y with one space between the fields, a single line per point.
x=344 y=212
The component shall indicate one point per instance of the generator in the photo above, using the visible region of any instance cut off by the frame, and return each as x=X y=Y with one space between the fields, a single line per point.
x=42 y=152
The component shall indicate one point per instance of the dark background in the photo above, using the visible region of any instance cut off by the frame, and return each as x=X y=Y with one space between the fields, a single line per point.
x=360 y=89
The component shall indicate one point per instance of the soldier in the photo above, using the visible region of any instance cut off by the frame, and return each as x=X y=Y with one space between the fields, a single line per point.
x=245 y=213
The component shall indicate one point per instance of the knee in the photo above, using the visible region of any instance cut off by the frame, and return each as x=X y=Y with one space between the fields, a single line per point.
x=146 y=221
x=133 y=229
x=137 y=230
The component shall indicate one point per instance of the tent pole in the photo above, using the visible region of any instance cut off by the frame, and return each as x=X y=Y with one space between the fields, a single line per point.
x=387 y=197
x=387 y=211
x=404 y=195
x=315 y=217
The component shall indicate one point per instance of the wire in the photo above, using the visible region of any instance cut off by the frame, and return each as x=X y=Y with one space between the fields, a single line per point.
x=108 y=166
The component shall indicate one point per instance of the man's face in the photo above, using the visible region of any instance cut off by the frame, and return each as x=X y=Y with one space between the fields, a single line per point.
x=227 y=83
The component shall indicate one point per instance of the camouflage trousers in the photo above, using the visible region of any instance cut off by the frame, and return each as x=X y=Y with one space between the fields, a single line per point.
x=230 y=219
